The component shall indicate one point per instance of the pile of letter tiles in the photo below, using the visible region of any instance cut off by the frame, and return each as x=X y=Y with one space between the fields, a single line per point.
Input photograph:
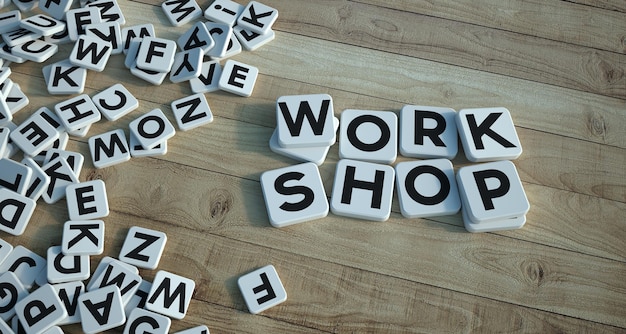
x=489 y=194
x=40 y=294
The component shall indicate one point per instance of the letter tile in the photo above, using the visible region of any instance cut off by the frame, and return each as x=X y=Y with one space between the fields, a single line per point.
x=238 y=78
x=369 y=136
x=192 y=111
x=25 y=264
x=181 y=12
x=152 y=128
x=40 y=310
x=170 y=294
x=87 y=200
x=262 y=289
x=224 y=11
x=291 y=113
x=493 y=197
x=15 y=211
x=83 y=237
x=294 y=194
x=101 y=309
x=362 y=190
x=488 y=134
x=63 y=268
x=143 y=247
x=427 y=188
x=115 y=102
x=257 y=17
x=109 y=148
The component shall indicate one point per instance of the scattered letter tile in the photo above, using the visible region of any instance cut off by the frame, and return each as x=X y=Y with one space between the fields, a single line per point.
x=101 y=309
x=66 y=268
x=40 y=310
x=140 y=318
x=109 y=148
x=152 y=128
x=238 y=78
x=143 y=247
x=192 y=111
x=15 y=211
x=115 y=102
x=170 y=294
x=368 y=135
x=262 y=289
x=257 y=17
x=87 y=200
x=83 y=237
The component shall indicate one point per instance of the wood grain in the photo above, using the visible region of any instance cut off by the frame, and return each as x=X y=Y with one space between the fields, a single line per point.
x=558 y=66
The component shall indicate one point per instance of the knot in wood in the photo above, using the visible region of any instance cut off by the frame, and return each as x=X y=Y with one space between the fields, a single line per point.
x=596 y=124
x=534 y=271
x=94 y=174
x=220 y=203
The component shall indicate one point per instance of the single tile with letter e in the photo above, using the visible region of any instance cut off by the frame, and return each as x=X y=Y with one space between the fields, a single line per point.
x=15 y=211
x=143 y=247
x=77 y=19
x=187 y=65
x=87 y=200
x=262 y=289
x=101 y=309
x=427 y=188
x=238 y=78
x=13 y=292
x=77 y=112
x=208 y=79
x=488 y=134
x=156 y=54
x=257 y=17
x=152 y=128
x=69 y=293
x=66 y=268
x=493 y=197
x=109 y=148
x=291 y=113
x=316 y=155
x=224 y=11
x=115 y=102
x=428 y=132
x=368 y=135
x=362 y=190
x=197 y=36
x=294 y=194
x=34 y=135
x=192 y=111
x=83 y=237
x=170 y=294
x=181 y=12
x=140 y=318
x=40 y=310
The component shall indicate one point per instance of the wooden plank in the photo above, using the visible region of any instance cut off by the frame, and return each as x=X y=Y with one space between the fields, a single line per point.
x=555 y=20
x=323 y=296
x=458 y=43
x=445 y=256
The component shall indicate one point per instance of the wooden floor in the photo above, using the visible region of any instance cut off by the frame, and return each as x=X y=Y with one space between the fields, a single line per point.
x=558 y=66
